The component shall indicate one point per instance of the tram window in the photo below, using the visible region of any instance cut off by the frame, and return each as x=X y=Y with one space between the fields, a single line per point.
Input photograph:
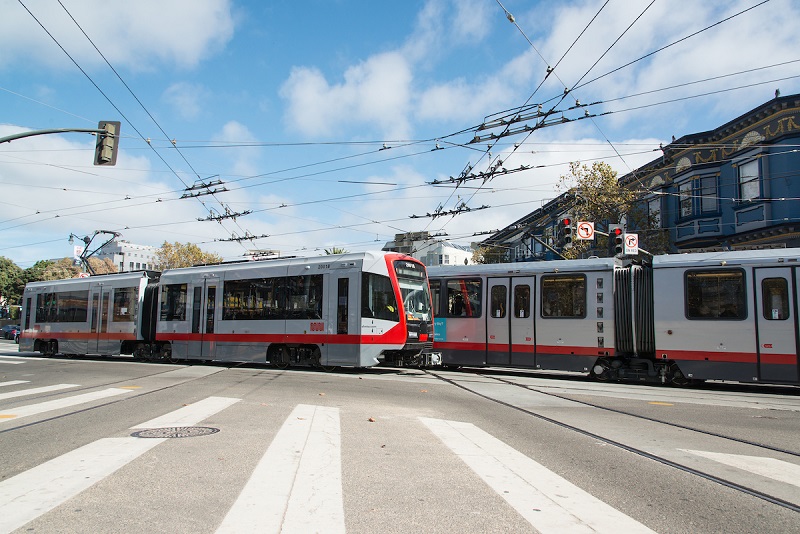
x=775 y=297
x=173 y=302
x=564 y=296
x=254 y=299
x=464 y=298
x=717 y=294
x=265 y=299
x=436 y=297
x=62 y=307
x=522 y=301
x=126 y=300
x=342 y=305
x=498 y=301
x=377 y=297
x=304 y=297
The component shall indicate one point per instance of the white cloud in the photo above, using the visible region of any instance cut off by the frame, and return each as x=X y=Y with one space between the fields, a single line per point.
x=471 y=19
x=186 y=98
x=129 y=34
x=375 y=93
x=64 y=193
x=754 y=39
x=445 y=24
x=241 y=160
x=379 y=92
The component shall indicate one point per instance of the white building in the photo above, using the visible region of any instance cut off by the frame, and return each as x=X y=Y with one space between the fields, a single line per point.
x=430 y=250
x=128 y=256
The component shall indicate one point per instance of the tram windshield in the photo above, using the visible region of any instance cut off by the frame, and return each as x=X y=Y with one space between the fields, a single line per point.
x=413 y=282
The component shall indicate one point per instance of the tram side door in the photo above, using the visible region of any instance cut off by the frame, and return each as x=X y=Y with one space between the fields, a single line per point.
x=204 y=302
x=498 y=322
x=777 y=323
x=99 y=322
x=523 y=342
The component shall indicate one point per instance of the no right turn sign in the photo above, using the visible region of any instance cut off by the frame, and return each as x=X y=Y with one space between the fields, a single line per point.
x=632 y=244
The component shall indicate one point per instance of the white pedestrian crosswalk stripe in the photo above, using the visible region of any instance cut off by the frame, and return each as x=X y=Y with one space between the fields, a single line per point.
x=547 y=501
x=766 y=467
x=14 y=382
x=297 y=485
x=191 y=414
x=35 y=391
x=12 y=414
x=26 y=496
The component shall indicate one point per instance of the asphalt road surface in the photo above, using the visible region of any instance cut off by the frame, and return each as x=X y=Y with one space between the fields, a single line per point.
x=100 y=445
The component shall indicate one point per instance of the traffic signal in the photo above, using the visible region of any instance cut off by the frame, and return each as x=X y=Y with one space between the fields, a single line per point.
x=566 y=226
x=105 y=151
x=616 y=239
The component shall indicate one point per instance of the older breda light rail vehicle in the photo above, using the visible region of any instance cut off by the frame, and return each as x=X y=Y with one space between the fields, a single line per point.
x=681 y=318
x=354 y=310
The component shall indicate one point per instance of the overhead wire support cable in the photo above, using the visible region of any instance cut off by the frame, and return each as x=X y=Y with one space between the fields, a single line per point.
x=204 y=185
x=462 y=208
x=204 y=193
x=247 y=237
x=228 y=215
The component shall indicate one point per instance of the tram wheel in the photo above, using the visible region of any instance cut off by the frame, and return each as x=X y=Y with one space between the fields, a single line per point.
x=50 y=349
x=166 y=354
x=316 y=358
x=677 y=377
x=280 y=358
x=600 y=371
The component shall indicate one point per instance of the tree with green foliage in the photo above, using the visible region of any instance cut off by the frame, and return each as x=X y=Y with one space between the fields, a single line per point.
x=36 y=272
x=598 y=196
x=104 y=266
x=490 y=254
x=173 y=255
x=335 y=250
x=12 y=283
x=61 y=269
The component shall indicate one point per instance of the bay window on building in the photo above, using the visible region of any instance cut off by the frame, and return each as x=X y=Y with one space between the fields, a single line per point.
x=654 y=211
x=749 y=180
x=698 y=196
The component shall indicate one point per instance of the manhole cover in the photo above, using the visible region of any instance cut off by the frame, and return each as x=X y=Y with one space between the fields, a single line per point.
x=176 y=432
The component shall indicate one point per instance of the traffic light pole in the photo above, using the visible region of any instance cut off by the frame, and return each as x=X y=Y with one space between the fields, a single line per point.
x=107 y=139
x=548 y=247
x=609 y=236
x=10 y=138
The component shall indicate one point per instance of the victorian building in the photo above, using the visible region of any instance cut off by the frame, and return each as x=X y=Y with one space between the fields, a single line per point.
x=737 y=185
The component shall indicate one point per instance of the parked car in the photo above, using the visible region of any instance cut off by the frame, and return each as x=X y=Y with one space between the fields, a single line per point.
x=7 y=331
x=16 y=336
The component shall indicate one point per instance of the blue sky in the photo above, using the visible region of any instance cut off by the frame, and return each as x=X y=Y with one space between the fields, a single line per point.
x=288 y=106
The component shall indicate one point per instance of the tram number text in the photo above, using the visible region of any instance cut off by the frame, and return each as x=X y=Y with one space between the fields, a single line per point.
x=317 y=327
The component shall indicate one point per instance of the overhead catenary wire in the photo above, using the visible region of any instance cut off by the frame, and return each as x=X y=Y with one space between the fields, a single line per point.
x=140 y=104
x=301 y=177
x=550 y=70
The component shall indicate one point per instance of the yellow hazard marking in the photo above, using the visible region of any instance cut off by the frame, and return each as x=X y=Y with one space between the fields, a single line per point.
x=661 y=403
x=7 y=416
x=130 y=387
